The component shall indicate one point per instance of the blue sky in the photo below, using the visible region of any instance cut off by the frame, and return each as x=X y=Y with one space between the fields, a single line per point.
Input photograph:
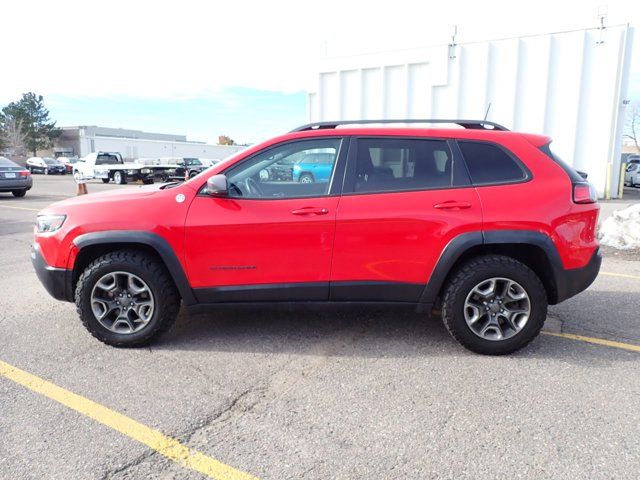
x=246 y=115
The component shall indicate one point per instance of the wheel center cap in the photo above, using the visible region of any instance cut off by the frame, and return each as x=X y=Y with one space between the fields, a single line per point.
x=494 y=307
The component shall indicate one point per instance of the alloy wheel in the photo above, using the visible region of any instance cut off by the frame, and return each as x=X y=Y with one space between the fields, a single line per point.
x=122 y=302
x=497 y=309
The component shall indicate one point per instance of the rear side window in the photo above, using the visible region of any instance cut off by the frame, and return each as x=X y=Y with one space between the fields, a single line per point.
x=489 y=164
x=392 y=164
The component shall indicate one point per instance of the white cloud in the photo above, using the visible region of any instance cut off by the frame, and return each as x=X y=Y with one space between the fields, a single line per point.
x=188 y=48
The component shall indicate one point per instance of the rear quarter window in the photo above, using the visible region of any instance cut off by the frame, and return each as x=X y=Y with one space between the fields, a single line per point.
x=489 y=164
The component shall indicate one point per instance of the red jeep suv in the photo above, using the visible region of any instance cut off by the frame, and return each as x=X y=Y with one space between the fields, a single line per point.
x=485 y=224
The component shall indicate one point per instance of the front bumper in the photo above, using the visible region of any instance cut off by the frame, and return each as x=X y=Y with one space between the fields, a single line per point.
x=56 y=281
x=573 y=281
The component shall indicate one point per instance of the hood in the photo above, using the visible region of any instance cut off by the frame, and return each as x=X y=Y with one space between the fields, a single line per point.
x=121 y=194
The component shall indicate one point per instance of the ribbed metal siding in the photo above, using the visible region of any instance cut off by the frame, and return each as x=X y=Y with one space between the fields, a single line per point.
x=570 y=86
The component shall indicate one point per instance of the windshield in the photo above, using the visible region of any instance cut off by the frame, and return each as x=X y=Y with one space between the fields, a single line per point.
x=50 y=161
x=192 y=161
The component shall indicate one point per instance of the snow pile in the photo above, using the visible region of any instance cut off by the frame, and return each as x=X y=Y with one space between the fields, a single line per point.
x=622 y=229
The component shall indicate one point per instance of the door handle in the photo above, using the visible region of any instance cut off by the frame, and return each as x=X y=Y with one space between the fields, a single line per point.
x=310 y=211
x=452 y=205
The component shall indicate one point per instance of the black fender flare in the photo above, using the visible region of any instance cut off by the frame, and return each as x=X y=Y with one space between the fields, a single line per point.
x=462 y=243
x=152 y=240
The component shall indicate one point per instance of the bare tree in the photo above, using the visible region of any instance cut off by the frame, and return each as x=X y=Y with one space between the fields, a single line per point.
x=13 y=137
x=632 y=128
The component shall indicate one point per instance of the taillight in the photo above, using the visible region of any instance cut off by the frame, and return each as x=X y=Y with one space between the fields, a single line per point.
x=584 y=193
x=24 y=173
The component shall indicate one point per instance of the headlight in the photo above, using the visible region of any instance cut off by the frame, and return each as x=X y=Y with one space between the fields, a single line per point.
x=49 y=223
x=145 y=170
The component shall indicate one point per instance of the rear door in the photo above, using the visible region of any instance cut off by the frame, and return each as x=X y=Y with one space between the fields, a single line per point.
x=404 y=199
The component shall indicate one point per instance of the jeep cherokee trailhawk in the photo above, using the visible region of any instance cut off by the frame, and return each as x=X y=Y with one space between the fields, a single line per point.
x=485 y=224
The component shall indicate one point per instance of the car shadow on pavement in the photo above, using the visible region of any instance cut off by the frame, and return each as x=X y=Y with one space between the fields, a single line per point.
x=367 y=333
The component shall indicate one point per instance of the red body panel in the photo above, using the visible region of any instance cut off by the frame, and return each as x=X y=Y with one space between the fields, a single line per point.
x=231 y=241
x=399 y=237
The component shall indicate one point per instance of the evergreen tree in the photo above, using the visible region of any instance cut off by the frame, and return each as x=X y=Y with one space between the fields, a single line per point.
x=30 y=113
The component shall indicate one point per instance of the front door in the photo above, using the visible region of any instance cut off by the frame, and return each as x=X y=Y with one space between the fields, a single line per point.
x=271 y=239
x=403 y=201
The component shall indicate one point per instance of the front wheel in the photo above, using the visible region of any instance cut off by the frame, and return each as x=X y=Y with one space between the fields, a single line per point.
x=105 y=180
x=494 y=305
x=126 y=298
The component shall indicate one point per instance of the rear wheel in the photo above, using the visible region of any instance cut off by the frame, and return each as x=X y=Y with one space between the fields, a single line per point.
x=126 y=299
x=306 y=178
x=19 y=193
x=120 y=178
x=494 y=305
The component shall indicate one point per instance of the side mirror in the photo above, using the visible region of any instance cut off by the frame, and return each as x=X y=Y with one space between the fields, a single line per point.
x=217 y=186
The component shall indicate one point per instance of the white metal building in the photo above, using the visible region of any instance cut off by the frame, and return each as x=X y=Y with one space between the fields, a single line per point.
x=133 y=144
x=569 y=85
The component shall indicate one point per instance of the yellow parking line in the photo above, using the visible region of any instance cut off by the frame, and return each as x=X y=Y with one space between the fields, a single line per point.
x=622 y=275
x=169 y=447
x=597 y=341
x=21 y=208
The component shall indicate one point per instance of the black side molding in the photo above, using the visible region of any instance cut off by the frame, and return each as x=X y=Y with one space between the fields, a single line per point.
x=450 y=255
x=156 y=242
x=566 y=282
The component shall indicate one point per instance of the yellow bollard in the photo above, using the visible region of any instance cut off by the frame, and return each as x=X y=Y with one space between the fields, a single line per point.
x=623 y=169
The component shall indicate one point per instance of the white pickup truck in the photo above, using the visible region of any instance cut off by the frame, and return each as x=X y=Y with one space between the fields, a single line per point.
x=109 y=166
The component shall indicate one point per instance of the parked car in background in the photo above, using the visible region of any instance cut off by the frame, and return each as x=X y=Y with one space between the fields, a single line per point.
x=185 y=168
x=14 y=178
x=313 y=167
x=632 y=175
x=68 y=162
x=109 y=166
x=209 y=162
x=46 y=165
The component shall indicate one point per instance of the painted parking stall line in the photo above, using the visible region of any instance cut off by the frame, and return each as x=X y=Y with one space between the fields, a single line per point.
x=21 y=208
x=620 y=275
x=164 y=445
x=596 y=341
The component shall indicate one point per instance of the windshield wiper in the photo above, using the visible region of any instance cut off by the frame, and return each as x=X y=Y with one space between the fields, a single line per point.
x=170 y=185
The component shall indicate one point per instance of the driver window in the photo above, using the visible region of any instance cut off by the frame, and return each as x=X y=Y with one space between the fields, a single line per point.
x=296 y=169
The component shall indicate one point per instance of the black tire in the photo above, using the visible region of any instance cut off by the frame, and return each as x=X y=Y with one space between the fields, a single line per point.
x=306 y=178
x=19 y=193
x=149 y=269
x=105 y=180
x=193 y=173
x=473 y=272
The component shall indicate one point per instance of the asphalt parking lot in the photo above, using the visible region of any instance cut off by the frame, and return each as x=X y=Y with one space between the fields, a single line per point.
x=307 y=394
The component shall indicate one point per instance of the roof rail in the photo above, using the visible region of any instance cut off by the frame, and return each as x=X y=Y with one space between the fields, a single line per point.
x=469 y=124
